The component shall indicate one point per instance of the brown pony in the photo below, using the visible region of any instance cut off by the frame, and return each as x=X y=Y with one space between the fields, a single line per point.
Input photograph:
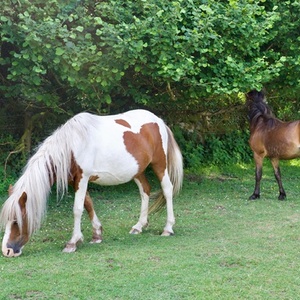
x=270 y=137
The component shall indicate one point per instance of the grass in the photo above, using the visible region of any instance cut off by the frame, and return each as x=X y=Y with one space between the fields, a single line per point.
x=225 y=247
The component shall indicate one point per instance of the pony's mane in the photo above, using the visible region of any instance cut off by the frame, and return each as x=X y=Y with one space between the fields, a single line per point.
x=258 y=108
x=51 y=161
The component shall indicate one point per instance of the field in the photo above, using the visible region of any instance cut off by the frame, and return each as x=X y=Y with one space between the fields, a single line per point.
x=224 y=247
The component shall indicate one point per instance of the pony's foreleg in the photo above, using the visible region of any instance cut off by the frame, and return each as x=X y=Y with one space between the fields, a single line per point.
x=144 y=189
x=97 y=227
x=275 y=164
x=167 y=188
x=258 y=176
x=77 y=210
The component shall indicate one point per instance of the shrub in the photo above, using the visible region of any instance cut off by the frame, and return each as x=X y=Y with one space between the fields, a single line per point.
x=214 y=149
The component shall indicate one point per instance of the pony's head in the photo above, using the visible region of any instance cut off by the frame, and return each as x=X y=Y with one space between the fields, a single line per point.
x=14 y=220
x=258 y=108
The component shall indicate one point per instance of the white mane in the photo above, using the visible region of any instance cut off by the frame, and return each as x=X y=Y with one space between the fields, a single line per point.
x=51 y=161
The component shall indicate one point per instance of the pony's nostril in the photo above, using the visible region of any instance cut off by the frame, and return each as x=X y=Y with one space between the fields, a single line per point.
x=9 y=252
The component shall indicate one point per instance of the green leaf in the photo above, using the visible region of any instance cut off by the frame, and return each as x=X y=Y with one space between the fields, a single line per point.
x=79 y=28
x=36 y=80
x=107 y=98
x=59 y=51
x=37 y=69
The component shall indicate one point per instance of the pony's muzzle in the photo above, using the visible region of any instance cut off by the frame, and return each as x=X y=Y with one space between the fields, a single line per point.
x=9 y=252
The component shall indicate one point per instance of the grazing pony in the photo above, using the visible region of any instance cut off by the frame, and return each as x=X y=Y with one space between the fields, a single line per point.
x=270 y=137
x=107 y=150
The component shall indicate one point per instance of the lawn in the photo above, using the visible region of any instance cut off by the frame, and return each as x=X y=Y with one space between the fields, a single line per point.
x=224 y=247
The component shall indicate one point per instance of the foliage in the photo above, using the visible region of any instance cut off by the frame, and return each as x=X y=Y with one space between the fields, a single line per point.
x=147 y=51
x=218 y=150
x=188 y=61
x=228 y=149
x=8 y=166
x=286 y=28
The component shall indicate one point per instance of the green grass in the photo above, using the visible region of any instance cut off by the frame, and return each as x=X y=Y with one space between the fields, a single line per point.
x=225 y=247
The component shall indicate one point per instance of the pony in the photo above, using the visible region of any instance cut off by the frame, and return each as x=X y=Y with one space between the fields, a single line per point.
x=106 y=150
x=271 y=138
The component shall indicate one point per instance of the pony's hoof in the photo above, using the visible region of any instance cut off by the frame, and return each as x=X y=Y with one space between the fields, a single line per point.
x=96 y=241
x=70 y=248
x=254 y=197
x=134 y=231
x=96 y=238
x=281 y=197
x=167 y=233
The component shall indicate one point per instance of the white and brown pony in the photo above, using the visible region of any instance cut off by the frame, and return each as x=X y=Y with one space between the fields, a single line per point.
x=107 y=150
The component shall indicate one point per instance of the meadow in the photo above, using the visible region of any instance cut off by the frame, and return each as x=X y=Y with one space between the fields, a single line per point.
x=224 y=247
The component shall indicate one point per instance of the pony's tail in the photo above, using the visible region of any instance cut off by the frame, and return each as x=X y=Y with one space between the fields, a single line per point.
x=175 y=171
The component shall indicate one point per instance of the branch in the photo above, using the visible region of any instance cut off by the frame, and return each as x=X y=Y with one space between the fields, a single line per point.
x=9 y=155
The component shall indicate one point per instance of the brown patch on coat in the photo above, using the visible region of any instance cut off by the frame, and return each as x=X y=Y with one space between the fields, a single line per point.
x=22 y=203
x=75 y=174
x=89 y=206
x=146 y=147
x=93 y=178
x=146 y=186
x=123 y=123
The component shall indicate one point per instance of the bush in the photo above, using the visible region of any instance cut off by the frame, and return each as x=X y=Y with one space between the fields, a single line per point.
x=225 y=149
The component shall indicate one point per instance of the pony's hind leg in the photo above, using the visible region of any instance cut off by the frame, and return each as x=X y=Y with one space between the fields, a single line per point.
x=275 y=164
x=144 y=189
x=167 y=188
x=166 y=197
x=97 y=227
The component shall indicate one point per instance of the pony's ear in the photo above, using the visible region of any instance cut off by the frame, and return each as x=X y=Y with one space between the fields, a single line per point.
x=22 y=202
x=255 y=95
x=10 y=189
x=261 y=94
